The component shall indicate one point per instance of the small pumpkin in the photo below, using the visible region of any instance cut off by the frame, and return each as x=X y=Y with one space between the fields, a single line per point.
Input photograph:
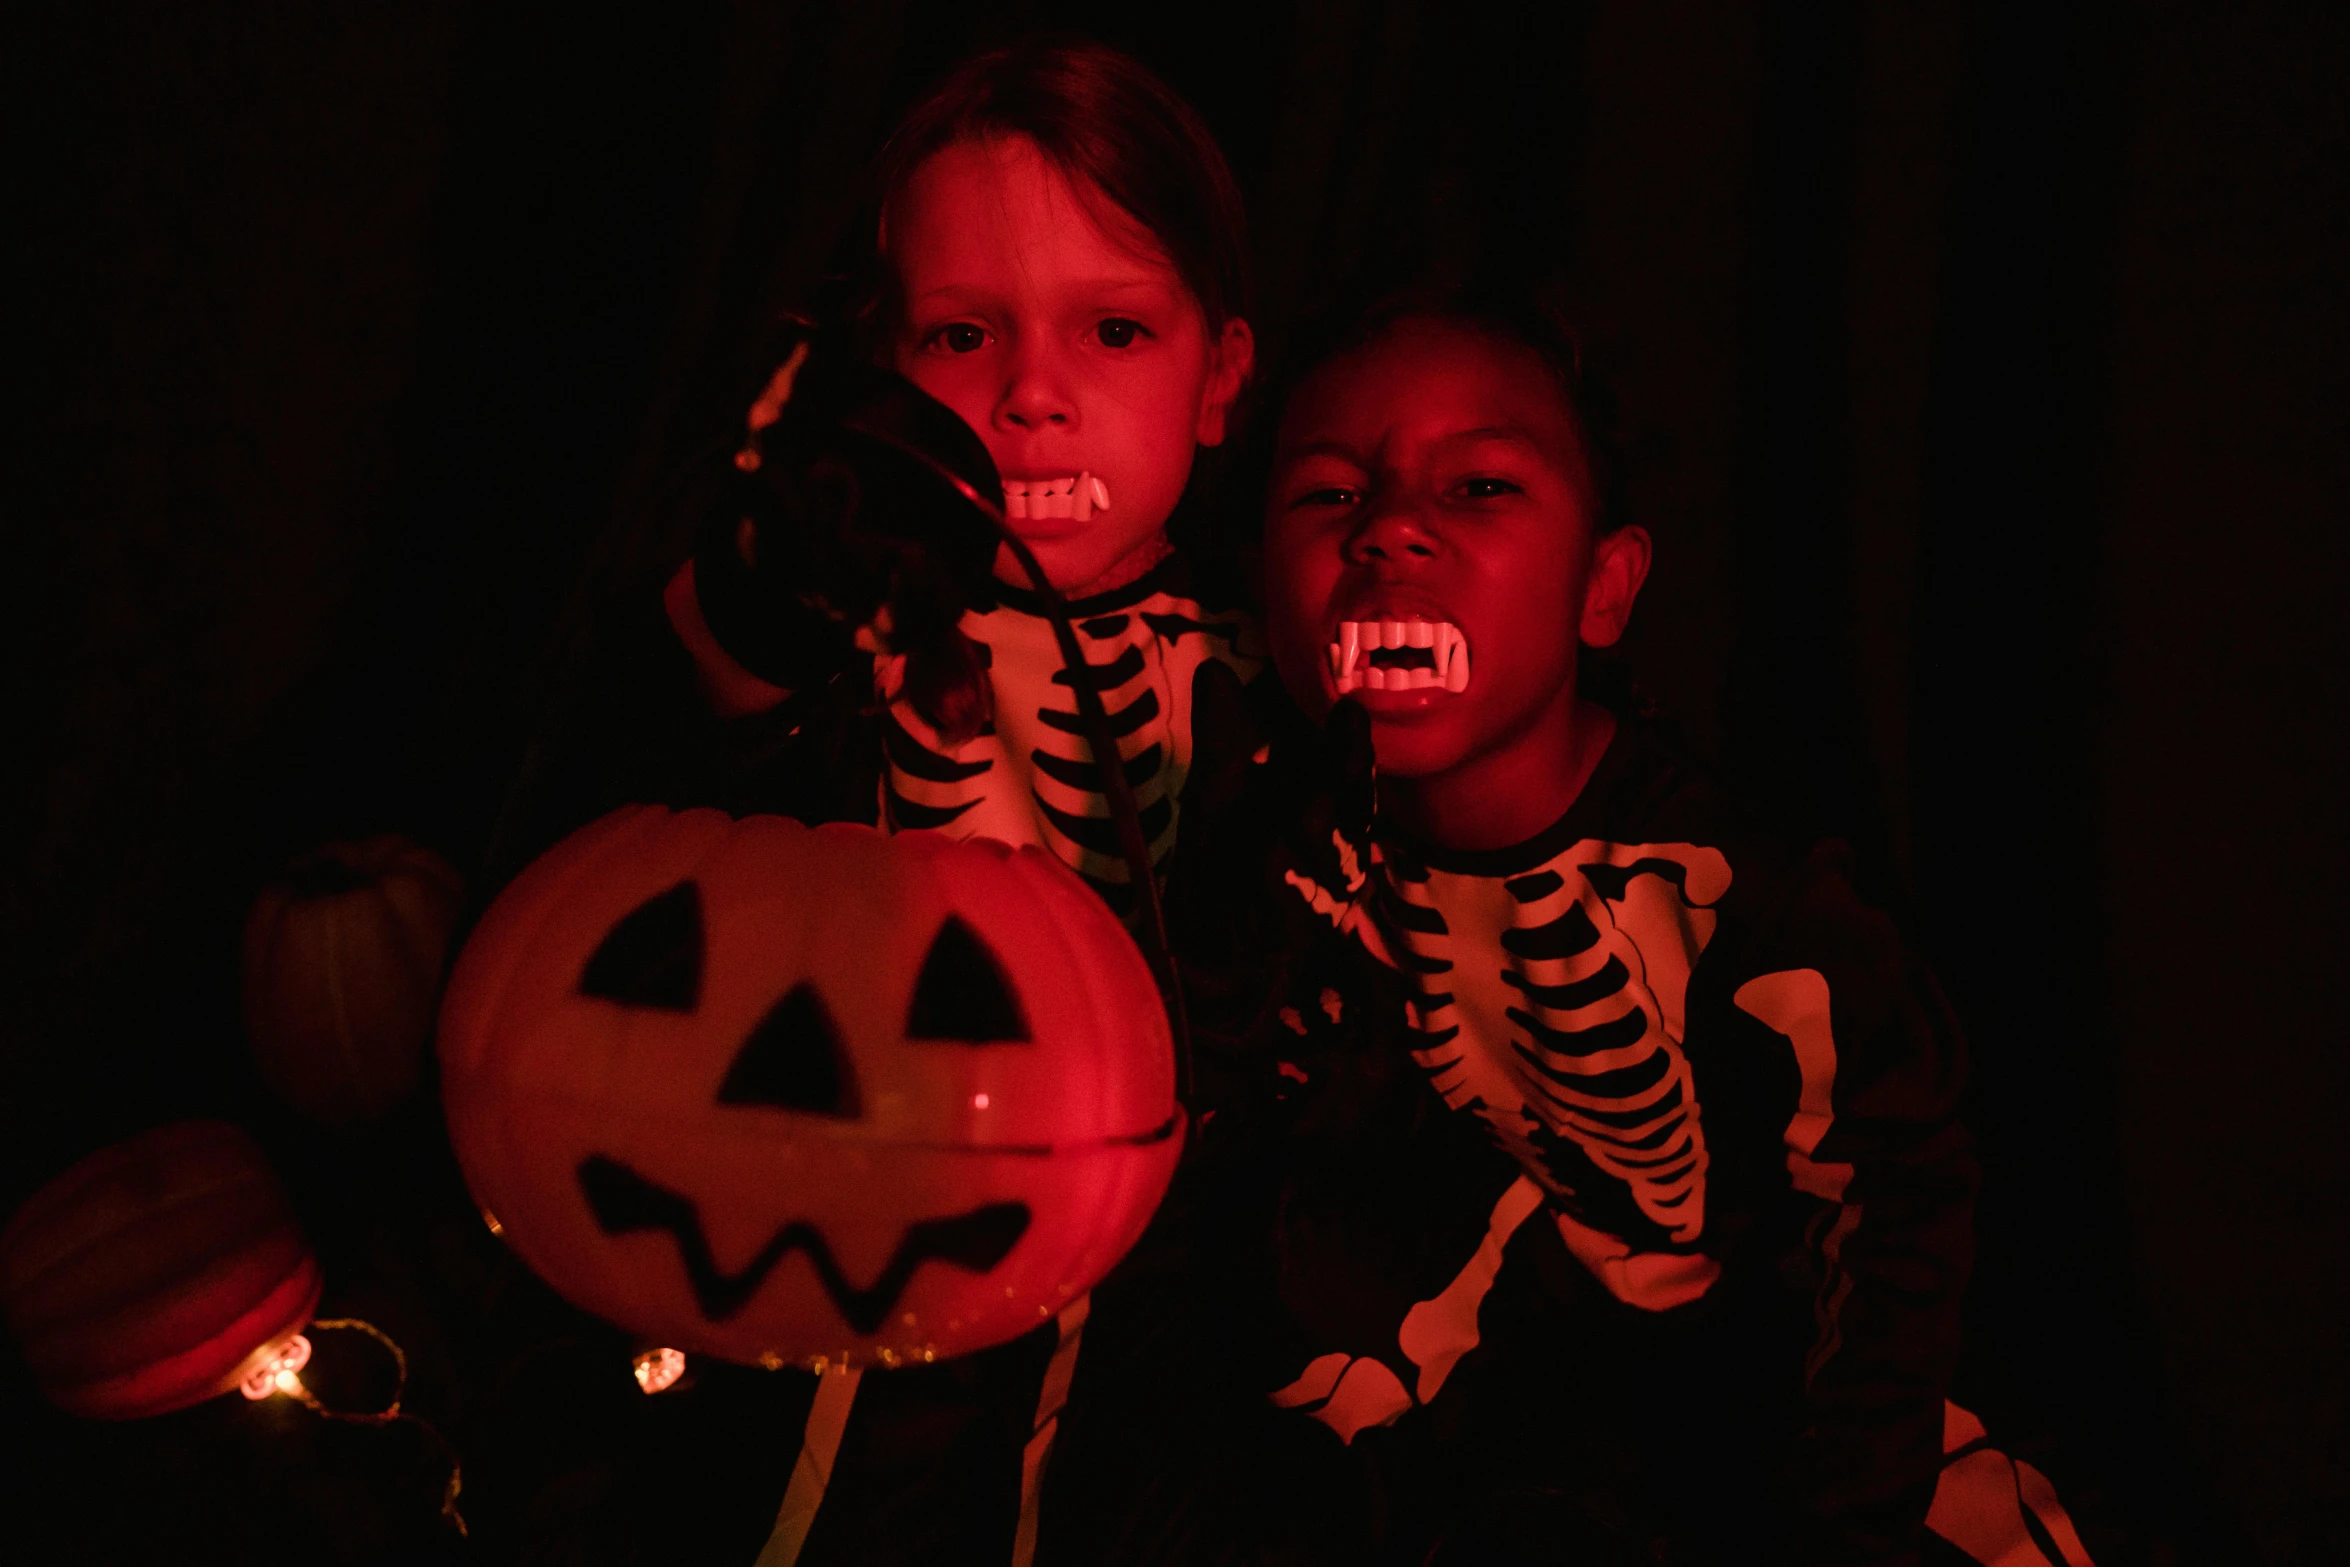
x=808 y=1095
x=342 y=971
x=156 y=1273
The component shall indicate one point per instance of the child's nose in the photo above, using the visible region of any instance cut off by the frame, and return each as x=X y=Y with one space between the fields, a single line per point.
x=1391 y=531
x=1035 y=394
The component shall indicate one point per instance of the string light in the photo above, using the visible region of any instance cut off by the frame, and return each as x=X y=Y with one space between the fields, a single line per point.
x=657 y=1370
x=279 y=1373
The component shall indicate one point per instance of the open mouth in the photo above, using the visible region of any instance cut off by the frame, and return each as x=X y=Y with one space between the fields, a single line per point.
x=1076 y=498
x=1399 y=655
x=624 y=1201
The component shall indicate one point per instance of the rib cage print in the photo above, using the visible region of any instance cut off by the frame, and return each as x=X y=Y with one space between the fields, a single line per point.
x=1551 y=1003
x=1029 y=777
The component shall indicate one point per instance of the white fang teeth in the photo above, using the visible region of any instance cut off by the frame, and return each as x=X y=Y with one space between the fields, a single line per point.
x=1076 y=498
x=1350 y=671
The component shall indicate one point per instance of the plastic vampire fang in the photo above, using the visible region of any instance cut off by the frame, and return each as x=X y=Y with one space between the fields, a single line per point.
x=1077 y=499
x=1399 y=655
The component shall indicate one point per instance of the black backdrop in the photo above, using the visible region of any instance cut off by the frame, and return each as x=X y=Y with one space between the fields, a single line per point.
x=1991 y=360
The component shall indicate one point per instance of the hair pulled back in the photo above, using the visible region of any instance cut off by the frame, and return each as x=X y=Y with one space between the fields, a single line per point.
x=1111 y=126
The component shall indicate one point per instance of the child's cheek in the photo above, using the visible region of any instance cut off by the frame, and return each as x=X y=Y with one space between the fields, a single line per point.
x=1296 y=595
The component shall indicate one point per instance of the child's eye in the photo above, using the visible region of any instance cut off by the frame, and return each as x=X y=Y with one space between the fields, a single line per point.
x=1118 y=332
x=1328 y=495
x=1488 y=489
x=958 y=337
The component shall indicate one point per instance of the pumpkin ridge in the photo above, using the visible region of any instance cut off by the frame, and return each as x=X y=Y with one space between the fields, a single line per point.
x=339 y=1002
x=201 y=1371
x=25 y=1230
x=94 y=1336
x=77 y=1286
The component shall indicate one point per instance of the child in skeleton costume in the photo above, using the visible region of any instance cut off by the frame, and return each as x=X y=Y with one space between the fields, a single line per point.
x=1060 y=280
x=1090 y=355
x=1654 y=1251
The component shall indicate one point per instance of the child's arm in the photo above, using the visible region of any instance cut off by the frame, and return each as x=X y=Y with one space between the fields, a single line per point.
x=1876 y=1143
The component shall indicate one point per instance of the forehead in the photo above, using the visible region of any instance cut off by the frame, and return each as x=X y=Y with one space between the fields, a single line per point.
x=1422 y=382
x=997 y=214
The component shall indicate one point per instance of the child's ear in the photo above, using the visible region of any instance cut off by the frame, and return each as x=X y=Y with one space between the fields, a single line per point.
x=1231 y=358
x=1619 y=565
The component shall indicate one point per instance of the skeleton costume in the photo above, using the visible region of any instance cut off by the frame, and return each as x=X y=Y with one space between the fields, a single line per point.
x=1029 y=776
x=1658 y=1238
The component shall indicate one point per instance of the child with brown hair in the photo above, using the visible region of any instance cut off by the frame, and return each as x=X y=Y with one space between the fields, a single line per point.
x=1051 y=320
x=1058 y=258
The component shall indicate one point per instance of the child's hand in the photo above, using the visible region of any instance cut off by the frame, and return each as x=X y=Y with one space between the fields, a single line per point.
x=1327 y=779
x=845 y=530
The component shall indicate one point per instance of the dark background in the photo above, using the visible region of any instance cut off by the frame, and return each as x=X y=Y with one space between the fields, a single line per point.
x=1991 y=364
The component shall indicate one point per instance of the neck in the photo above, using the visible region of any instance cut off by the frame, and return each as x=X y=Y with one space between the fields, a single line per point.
x=1131 y=566
x=1509 y=794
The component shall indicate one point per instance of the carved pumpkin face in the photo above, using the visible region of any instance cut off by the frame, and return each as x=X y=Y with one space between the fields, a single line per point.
x=790 y=1094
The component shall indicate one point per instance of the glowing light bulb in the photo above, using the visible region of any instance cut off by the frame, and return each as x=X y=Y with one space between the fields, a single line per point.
x=277 y=1373
x=979 y=1101
x=658 y=1369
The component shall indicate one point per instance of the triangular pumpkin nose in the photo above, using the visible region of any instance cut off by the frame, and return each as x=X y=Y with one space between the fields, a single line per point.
x=794 y=1060
x=962 y=995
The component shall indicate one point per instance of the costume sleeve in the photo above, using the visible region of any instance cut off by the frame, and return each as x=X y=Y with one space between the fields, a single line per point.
x=1253 y=815
x=1875 y=1146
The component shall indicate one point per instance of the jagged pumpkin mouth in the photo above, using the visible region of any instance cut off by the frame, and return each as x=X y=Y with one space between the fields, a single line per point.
x=625 y=1202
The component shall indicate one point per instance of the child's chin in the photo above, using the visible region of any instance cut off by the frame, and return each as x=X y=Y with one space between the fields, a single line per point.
x=1416 y=733
x=1068 y=565
x=1080 y=564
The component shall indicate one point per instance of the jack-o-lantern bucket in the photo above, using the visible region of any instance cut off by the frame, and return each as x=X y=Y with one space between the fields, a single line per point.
x=797 y=1095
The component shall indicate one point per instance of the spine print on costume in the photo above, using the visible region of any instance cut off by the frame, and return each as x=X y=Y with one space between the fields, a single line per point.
x=1570 y=1046
x=1029 y=776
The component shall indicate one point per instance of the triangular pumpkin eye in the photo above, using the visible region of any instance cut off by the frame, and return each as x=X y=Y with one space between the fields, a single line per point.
x=794 y=1061
x=653 y=958
x=962 y=994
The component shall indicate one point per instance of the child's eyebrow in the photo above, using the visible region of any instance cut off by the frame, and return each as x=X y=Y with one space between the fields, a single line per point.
x=1137 y=283
x=954 y=294
x=1324 y=448
x=1516 y=434
x=1139 y=288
